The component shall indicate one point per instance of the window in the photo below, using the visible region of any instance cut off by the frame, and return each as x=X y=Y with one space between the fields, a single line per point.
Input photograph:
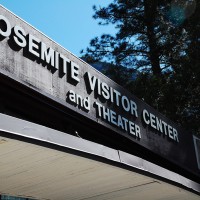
x=197 y=149
x=6 y=197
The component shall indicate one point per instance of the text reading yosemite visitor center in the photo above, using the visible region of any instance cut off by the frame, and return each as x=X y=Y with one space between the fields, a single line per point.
x=108 y=100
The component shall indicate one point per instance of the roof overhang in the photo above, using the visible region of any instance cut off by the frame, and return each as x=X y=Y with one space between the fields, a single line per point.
x=43 y=163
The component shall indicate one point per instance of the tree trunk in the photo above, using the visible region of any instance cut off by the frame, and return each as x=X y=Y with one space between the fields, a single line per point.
x=150 y=10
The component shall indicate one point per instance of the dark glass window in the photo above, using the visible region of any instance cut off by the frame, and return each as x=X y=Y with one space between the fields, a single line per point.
x=6 y=197
x=197 y=148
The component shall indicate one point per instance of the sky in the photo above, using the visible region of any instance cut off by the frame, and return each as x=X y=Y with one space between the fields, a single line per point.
x=67 y=22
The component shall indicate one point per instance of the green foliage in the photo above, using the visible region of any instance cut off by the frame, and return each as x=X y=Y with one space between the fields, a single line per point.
x=159 y=42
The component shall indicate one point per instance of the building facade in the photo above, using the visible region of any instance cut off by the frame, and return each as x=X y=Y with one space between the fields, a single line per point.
x=69 y=132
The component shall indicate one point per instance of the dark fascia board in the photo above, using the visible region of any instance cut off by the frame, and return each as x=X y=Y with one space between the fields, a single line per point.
x=16 y=128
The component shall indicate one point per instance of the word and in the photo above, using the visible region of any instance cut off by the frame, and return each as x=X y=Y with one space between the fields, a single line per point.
x=78 y=100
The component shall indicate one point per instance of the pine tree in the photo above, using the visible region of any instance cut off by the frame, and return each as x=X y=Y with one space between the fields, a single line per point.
x=159 y=39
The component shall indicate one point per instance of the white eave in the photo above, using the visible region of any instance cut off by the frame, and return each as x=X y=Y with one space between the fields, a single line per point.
x=32 y=165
